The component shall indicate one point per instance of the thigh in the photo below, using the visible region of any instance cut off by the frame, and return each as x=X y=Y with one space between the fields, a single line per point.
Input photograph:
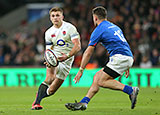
x=56 y=84
x=50 y=74
x=102 y=76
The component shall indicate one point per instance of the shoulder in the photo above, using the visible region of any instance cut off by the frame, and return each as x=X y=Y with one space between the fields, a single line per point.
x=68 y=24
x=99 y=29
x=49 y=30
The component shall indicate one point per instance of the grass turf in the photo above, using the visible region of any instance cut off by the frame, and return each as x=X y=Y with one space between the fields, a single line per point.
x=18 y=101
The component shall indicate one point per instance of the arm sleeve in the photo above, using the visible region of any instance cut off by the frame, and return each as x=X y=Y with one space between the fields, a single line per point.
x=48 y=41
x=73 y=32
x=95 y=37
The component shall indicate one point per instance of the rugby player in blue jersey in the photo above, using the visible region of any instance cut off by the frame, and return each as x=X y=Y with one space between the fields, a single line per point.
x=120 y=60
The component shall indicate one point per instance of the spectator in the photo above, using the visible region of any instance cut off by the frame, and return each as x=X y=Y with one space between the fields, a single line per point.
x=138 y=19
x=146 y=63
x=1 y=56
x=155 y=57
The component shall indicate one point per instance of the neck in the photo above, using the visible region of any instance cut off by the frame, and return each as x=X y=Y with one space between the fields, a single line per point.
x=58 y=25
x=99 y=21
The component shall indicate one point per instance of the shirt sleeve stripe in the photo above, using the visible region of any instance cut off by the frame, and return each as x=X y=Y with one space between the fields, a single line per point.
x=74 y=35
x=49 y=43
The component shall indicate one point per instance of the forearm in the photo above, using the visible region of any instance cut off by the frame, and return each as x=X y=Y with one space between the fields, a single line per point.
x=75 y=50
x=86 y=56
x=85 y=59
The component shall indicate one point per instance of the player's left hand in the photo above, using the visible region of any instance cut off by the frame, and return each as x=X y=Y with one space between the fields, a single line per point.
x=127 y=73
x=63 y=57
x=77 y=77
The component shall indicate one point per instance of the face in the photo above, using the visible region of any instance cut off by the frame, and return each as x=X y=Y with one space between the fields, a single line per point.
x=95 y=19
x=56 y=17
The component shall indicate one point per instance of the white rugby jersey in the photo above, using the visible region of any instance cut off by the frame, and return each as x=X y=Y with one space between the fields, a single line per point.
x=60 y=39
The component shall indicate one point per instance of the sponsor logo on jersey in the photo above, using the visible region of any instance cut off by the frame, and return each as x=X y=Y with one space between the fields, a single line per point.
x=61 y=42
x=53 y=35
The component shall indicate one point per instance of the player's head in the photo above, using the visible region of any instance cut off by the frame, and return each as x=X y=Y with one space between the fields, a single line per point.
x=56 y=15
x=99 y=13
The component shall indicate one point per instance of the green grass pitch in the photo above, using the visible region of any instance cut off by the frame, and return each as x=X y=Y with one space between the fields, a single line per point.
x=18 y=101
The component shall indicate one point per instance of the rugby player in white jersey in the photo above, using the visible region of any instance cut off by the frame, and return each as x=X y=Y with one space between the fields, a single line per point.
x=64 y=40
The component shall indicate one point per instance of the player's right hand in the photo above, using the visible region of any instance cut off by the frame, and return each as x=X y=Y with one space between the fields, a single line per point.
x=77 y=77
x=47 y=64
x=63 y=57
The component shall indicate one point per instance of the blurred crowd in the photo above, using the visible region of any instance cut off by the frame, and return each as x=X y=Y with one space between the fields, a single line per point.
x=139 y=20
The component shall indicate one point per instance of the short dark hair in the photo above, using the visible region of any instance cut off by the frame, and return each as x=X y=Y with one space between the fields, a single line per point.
x=100 y=11
x=55 y=9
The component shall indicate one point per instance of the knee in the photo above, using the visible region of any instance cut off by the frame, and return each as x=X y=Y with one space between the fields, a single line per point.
x=101 y=80
x=100 y=83
x=49 y=79
x=97 y=79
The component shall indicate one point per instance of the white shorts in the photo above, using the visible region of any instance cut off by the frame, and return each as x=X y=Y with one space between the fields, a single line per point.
x=64 y=68
x=120 y=63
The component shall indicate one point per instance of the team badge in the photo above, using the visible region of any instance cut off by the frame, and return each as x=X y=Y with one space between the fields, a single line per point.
x=64 y=32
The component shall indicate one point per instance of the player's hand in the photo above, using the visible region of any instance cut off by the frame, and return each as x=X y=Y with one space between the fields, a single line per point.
x=127 y=73
x=47 y=64
x=63 y=57
x=77 y=77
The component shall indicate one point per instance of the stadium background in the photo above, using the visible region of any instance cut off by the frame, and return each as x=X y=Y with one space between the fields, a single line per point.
x=22 y=27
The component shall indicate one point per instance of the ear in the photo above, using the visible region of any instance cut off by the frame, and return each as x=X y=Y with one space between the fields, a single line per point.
x=96 y=18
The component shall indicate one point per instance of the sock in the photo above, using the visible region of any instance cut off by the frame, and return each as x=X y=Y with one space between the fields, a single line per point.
x=42 y=93
x=128 y=89
x=47 y=91
x=85 y=100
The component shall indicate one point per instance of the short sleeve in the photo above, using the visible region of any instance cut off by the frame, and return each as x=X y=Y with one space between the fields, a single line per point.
x=73 y=32
x=95 y=37
x=48 y=41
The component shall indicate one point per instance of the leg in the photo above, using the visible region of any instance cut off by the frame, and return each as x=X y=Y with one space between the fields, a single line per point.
x=45 y=91
x=42 y=91
x=106 y=81
x=101 y=79
x=94 y=87
x=92 y=91
x=117 y=65
x=54 y=86
x=50 y=75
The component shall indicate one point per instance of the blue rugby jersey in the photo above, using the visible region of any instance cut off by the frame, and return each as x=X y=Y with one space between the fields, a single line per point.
x=111 y=37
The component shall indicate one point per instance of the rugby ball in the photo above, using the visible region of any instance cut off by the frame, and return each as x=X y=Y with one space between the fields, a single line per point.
x=51 y=58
